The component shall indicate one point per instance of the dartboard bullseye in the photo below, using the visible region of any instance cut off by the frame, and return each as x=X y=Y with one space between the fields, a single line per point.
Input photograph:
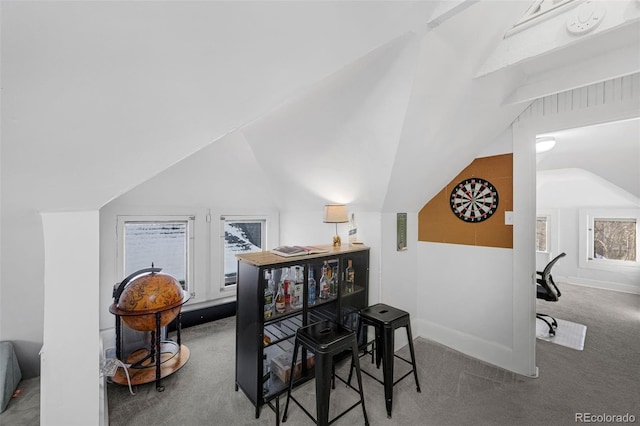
x=474 y=200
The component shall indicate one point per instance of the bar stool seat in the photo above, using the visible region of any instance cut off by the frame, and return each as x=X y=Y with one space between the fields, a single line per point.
x=386 y=319
x=326 y=339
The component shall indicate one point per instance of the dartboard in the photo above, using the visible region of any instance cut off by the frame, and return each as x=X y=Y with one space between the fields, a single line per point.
x=474 y=200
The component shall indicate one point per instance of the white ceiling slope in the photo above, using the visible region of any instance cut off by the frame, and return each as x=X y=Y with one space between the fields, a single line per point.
x=97 y=97
x=575 y=188
x=610 y=151
x=451 y=115
x=224 y=176
x=337 y=142
x=551 y=60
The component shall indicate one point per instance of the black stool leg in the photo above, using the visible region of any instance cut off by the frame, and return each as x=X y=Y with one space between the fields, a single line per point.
x=333 y=375
x=323 y=388
x=413 y=356
x=387 y=366
x=293 y=366
x=378 y=347
x=355 y=360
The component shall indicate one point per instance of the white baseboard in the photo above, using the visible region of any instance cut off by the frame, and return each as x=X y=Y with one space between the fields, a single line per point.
x=484 y=350
x=605 y=285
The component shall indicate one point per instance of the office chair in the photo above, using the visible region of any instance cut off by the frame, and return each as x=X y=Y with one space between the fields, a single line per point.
x=547 y=289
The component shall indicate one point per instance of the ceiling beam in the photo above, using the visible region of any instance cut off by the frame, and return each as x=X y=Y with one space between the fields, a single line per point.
x=595 y=69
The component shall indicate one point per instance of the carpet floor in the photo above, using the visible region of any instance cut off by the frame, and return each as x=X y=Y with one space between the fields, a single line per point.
x=602 y=379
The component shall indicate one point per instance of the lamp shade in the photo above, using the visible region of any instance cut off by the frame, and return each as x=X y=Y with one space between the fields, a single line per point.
x=335 y=213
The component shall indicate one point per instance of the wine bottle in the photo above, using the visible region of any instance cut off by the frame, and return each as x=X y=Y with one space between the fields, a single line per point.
x=324 y=282
x=298 y=286
x=286 y=285
x=333 y=281
x=280 y=300
x=353 y=230
x=268 y=296
x=312 y=288
x=350 y=277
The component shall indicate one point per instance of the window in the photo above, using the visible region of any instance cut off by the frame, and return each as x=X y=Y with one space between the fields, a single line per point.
x=614 y=239
x=610 y=238
x=241 y=235
x=542 y=234
x=166 y=242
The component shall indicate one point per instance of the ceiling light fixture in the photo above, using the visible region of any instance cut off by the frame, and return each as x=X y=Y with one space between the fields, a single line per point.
x=544 y=144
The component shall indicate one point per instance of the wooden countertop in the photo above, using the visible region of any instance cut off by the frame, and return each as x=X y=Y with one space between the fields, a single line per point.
x=262 y=258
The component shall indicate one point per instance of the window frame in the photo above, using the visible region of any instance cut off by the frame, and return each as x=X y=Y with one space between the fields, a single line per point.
x=122 y=220
x=265 y=234
x=587 y=217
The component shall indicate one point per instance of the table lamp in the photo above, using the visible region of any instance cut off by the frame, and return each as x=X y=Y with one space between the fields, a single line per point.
x=335 y=213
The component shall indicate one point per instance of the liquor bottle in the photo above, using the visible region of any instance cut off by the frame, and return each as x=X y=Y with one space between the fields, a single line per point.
x=312 y=288
x=298 y=279
x=333 y=281
x=280 y=300
x=350 y=277
x=353 y=230
x=272 y=283
x=286 y=285
x=324 y=282
x=268 y=296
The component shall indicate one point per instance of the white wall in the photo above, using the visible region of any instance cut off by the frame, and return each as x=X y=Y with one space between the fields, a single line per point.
x=568 y=239
x=465 y=298
x=70 y=358
x=22 y=284
x=468 y=298
x=222 y=179
x=399 y=281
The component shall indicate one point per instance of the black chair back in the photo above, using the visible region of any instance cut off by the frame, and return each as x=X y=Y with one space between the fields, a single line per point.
x=547 y=288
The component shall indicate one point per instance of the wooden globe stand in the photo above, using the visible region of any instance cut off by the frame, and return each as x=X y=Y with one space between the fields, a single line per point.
x=152 y=363
x=160 y=358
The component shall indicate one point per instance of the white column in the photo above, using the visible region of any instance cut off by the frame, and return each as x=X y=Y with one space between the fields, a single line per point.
x=69 y=391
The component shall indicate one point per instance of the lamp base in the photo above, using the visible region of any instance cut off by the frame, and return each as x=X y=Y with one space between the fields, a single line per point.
x=336 y=241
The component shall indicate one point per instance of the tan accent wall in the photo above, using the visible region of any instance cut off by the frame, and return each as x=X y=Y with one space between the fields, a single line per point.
x=437 y=223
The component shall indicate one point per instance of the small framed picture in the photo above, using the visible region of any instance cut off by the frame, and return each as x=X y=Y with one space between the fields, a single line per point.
x=401 y=230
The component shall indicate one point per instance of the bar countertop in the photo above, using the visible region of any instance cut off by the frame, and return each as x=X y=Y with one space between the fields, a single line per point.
x=262 y=258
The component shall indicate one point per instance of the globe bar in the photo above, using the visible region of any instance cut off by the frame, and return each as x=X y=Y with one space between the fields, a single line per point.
x=147 y=301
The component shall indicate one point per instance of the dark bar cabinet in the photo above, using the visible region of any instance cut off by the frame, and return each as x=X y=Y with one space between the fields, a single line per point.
x=264 y=346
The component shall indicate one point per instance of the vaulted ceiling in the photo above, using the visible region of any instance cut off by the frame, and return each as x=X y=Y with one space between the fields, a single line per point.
x=350 y=101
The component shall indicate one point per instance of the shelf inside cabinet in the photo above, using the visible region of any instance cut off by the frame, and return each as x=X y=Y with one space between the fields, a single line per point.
x=273 y=385
x=278 y=316
x=356 y=289
x=277 y=331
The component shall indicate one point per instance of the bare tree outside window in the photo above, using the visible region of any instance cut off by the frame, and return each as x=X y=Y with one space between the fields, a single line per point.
x=163 y=244
x=541 y=234
x=614 y=239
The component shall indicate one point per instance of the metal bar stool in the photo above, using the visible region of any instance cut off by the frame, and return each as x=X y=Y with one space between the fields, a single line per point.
x=326 y=339
x=386 y=319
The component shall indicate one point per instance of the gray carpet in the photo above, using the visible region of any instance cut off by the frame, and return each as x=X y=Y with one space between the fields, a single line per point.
x=604 y=378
